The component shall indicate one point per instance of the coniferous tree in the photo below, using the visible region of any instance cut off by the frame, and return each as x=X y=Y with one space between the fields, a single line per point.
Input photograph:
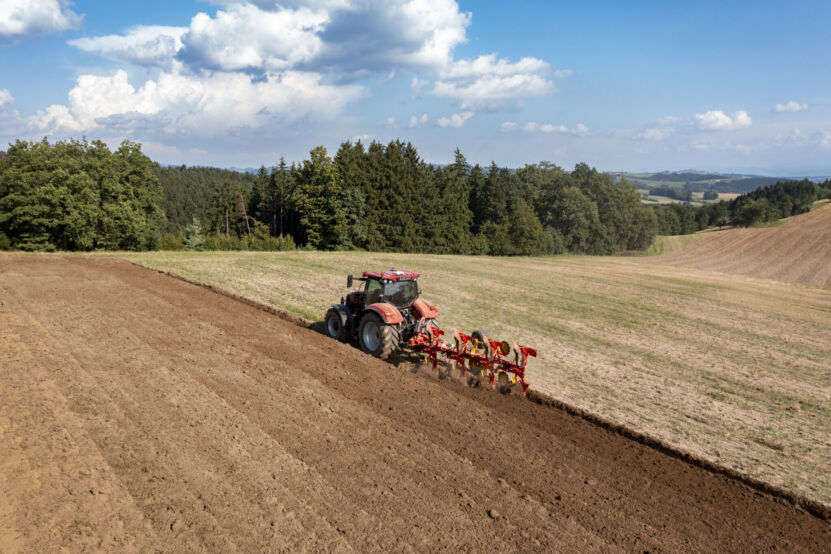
x=455 y=219
x=317 y=197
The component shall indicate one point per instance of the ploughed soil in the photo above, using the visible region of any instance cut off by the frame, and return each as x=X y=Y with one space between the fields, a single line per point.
x=139 y=412
x=797 y=251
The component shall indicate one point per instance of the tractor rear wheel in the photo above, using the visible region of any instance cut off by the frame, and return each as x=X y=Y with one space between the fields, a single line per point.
x=335 y=327
x=376 y=337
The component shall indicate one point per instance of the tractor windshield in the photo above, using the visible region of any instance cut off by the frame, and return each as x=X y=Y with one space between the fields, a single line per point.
x=400 y=293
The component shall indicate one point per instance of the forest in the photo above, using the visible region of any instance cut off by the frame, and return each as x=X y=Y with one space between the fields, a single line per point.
x=77 y=195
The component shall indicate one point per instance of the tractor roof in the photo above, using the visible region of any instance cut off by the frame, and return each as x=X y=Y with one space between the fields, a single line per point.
x=392 y=275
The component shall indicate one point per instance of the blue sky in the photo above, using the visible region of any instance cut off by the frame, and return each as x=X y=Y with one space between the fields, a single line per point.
x=734 y=86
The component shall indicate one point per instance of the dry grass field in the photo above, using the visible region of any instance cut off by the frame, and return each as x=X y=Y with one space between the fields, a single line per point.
x=735 y=369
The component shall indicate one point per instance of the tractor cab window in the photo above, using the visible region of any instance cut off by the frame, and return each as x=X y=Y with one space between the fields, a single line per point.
x=400 y=293
x=373 y=292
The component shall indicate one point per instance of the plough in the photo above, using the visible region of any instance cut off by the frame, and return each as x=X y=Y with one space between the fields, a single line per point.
x=486 y=357
x=388 y=315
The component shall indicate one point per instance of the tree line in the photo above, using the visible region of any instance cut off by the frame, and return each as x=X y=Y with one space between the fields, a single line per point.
x=765 y=204
x=77 y=195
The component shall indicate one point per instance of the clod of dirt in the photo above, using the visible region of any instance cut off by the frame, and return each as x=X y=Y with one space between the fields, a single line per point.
x=493 y=514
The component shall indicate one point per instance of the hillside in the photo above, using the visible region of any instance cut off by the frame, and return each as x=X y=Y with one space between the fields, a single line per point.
x=797 y=251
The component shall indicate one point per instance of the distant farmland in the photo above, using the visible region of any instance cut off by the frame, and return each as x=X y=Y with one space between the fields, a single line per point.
x=796 y=250
x=727 y=367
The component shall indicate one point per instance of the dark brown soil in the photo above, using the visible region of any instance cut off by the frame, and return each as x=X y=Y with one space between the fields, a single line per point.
x=138 y=412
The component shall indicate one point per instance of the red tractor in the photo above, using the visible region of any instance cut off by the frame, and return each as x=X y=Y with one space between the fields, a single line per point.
x=388 y=315
x=382 y=317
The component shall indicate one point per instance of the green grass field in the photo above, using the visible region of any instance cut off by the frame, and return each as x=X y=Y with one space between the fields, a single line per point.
x=731 y=368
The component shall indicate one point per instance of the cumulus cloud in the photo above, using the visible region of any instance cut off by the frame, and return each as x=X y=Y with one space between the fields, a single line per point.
x=185 y=103
x=141 y=45
x=19 y=18
x=488 y=82
x=263 y=58
x=415 y=121
x=456 y=120
x=534 y=127
x=247 y=37
x=825 y=139
x=717 y=120
x=791 y=106
x=5 y=97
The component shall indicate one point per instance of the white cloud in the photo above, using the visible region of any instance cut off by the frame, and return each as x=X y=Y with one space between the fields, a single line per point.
x=142 y=45
x=654 y=133
x=349 y=36
x=35 y=17
x=791 y=106
x=414 y=121
x=250 y=62
x=5 y=97
x=825 y=139
x=390 y=122
x=492 y=92
x=415 y=87
x=534 y=127
x=207 y=104
x=455 y=120
x=580 y=130
x=717 y=120
x=246 y=37
x=490 y=65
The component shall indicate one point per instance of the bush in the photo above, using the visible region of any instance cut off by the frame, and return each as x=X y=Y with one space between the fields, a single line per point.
x=285 y=243
x=5 y=244
x=194 y=239
x=171 y=241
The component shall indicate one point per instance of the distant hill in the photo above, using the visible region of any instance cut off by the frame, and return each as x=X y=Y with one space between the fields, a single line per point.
x=699 y=181
x=797 y=251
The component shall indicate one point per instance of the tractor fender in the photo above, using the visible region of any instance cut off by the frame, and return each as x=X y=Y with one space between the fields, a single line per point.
x=424 y=309
x=388 y=312
x=346 y=318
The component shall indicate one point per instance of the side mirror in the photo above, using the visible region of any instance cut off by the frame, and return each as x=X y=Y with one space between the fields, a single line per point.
x=349 y=282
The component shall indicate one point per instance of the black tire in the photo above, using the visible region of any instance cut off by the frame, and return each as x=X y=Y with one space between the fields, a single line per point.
x=376 y=337
x=335 y=326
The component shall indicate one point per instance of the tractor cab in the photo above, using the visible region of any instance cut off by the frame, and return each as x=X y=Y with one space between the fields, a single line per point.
x=396 y=287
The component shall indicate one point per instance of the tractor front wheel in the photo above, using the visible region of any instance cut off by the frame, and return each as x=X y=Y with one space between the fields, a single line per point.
x=376 y=337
